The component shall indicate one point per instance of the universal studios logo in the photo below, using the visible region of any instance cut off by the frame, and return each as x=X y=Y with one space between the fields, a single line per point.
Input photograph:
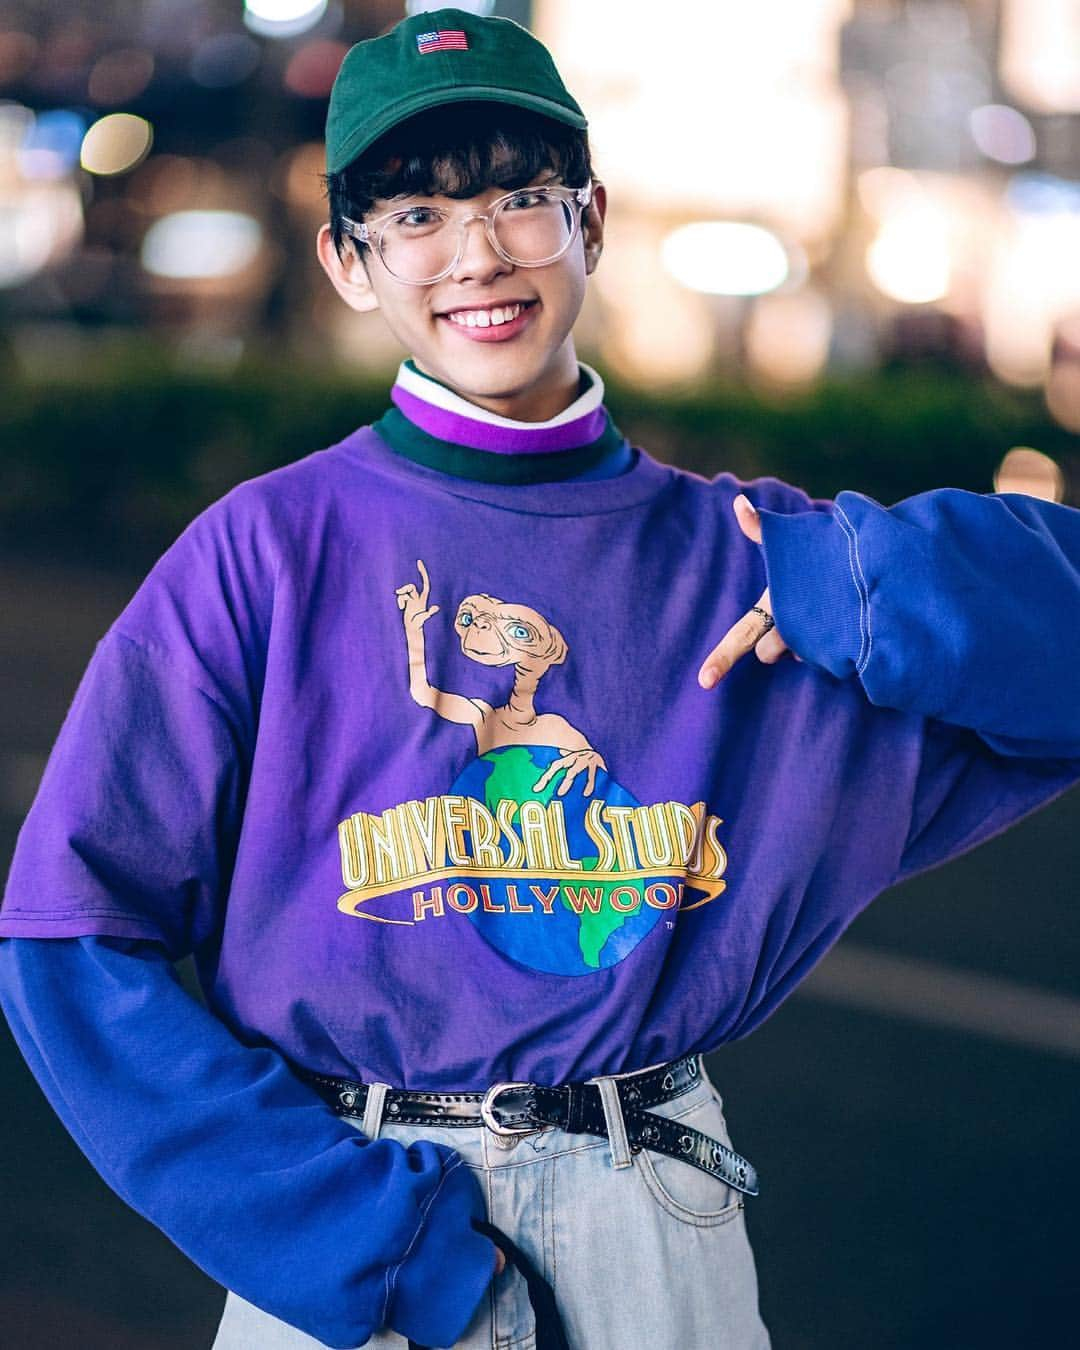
x=418 y=843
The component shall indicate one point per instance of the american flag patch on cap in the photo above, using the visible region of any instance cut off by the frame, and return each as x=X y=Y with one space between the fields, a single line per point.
x=444 y=40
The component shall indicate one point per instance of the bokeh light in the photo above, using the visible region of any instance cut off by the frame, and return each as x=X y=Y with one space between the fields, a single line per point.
x=311 y=70
x=201 y=244
x=42 y=224
x=120 y=76
x=1030 y=471
x=18 y=53
x=909 y=259
x=723 y=257
x=116 y=144
x=282 y=18
x=50 y=147
x=224 y=59
x=1003 y=134
x=788 y=336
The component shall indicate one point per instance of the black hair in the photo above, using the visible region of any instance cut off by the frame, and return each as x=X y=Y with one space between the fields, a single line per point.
x=455 y=150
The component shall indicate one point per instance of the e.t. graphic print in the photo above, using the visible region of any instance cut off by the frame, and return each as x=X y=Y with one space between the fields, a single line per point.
x=557 y=865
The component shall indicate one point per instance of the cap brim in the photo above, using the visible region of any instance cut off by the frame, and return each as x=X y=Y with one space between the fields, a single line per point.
x=366 y=135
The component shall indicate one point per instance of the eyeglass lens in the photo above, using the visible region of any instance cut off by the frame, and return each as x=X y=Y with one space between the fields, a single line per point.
x=419 y=243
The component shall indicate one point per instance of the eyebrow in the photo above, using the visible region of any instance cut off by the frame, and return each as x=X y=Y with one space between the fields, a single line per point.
x=407 y=196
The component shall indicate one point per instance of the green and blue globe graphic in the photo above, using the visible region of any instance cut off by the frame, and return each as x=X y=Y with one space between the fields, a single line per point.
x=563 y=942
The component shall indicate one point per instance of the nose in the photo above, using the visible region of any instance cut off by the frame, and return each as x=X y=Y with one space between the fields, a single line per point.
x=478 y=257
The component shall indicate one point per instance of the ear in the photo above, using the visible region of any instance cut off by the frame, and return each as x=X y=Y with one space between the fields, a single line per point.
x=592 y=225
x=349 y=277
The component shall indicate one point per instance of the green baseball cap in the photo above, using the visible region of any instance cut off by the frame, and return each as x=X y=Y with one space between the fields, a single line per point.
x=439 y=56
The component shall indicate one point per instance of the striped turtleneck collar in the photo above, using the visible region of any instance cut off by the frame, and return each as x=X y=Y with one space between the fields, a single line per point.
x=437 y=427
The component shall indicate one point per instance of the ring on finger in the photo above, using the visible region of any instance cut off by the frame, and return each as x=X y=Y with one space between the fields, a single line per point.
x=770 y=622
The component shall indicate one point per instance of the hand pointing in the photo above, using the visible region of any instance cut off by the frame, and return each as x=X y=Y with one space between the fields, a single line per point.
x=748 y=633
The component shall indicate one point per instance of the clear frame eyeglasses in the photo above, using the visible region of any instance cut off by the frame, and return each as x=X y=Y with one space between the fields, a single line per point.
x=528 y=227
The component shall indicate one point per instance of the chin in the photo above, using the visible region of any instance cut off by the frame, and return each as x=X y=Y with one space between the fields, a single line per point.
x=491 y=374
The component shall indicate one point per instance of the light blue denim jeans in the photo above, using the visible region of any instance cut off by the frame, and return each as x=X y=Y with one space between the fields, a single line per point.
x=643 y=1251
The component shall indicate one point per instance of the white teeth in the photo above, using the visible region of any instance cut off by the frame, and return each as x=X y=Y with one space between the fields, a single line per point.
x=484 y=318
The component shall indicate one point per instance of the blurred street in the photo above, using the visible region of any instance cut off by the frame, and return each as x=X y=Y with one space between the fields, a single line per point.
x=910 y=1110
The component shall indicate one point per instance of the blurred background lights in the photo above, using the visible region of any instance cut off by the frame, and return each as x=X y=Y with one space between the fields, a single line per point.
x=50 y=147
x=18 y=52
x=909 y=259
x=1063 y=394
x=1039 y=56
x=756 y=89
x=116 y=143
x=883 y=191
x=1033 y=276
x=1043 y=194
x=311 y=71
x=1030 y=471
x=725 y=257
x=16 y=122
x=39 y=225
x=481 y=7
x=120 y=76
x=224 y=59
x=201 y=244
x=282 y=18
x=296 y=177
x=1002 y=133
x=788 y=336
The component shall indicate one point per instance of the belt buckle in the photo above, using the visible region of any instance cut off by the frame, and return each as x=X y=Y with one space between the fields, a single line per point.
x=490 y=1121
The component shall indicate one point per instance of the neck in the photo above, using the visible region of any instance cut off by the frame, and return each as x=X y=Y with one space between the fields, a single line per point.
x=439 y=427
x=555 y=390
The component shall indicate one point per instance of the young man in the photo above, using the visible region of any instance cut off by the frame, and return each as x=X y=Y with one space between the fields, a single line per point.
x=464 y=939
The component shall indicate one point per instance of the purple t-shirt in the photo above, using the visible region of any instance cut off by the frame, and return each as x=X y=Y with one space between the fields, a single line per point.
x=419 y=770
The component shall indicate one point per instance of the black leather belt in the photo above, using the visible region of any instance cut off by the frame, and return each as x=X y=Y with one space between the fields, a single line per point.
x=523 y=1108
x=512 y=1109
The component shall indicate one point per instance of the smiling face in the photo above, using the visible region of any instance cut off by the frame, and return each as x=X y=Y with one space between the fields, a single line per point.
x=531 y=375
x=495 y=633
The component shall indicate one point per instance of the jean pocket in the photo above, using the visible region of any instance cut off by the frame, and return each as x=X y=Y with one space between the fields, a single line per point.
x=683 y=1190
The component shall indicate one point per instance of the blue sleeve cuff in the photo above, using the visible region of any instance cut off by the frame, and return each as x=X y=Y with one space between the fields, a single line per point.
x=433 y=1293
x=815 y=597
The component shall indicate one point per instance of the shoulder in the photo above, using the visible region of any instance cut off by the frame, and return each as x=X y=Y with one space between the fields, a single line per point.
x=253 y=528
x=210 y=598
x=765 y=491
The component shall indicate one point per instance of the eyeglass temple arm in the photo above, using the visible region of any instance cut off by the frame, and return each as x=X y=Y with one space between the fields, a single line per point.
x=356 y=228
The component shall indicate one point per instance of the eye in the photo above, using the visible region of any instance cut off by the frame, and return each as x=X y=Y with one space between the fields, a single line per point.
x=519 y=631
x=433 y=216
x=465 y=620
x=524 y=200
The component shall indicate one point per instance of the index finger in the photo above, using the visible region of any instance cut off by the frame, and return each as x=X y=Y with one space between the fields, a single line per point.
x=742 y=637
x=426 y=586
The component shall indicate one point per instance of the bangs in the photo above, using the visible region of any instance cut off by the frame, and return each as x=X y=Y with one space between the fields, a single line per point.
x=462 y=149
x=458 y=150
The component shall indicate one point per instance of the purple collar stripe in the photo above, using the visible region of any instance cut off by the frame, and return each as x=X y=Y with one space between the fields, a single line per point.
x=478 y=435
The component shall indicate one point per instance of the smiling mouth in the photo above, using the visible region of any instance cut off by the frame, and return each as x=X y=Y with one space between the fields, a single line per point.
x=464 y=309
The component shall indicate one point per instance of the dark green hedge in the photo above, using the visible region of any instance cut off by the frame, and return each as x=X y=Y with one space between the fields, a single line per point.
x=107 y=468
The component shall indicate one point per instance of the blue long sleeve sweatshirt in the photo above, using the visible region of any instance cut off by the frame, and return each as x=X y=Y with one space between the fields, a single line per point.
x=959 y=607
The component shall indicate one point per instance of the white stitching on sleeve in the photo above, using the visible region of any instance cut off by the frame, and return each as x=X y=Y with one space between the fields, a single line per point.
x=866 y=639
x=391 y=1271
